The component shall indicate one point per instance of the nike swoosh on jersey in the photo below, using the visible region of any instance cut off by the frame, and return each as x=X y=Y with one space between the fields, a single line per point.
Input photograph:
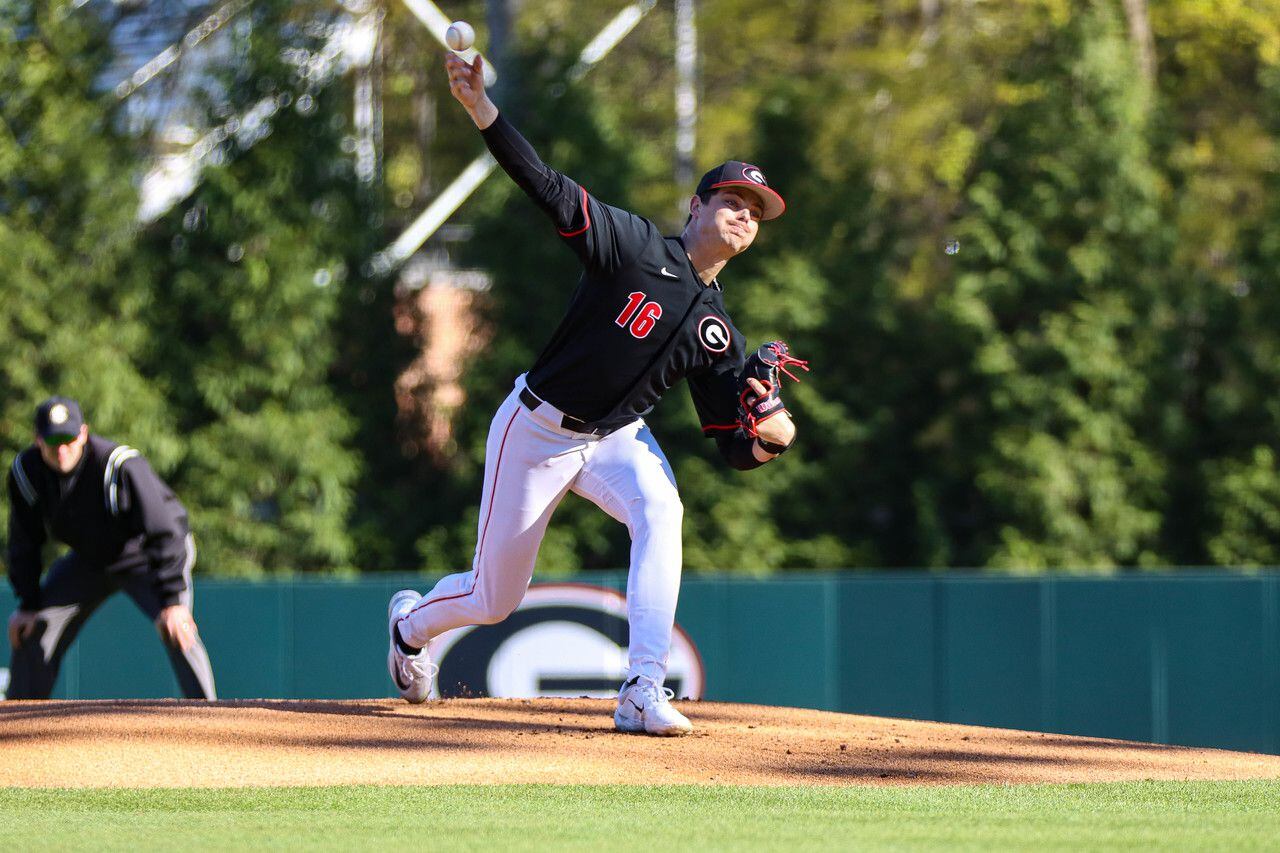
x=669 y=274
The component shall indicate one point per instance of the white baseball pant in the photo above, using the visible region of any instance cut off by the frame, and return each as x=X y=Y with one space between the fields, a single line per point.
x=531 y=462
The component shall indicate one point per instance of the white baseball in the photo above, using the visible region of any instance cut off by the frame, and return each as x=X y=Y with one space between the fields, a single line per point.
x=460 y=35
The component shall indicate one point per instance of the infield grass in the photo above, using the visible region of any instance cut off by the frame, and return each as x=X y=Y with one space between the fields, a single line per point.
x=1160 y=815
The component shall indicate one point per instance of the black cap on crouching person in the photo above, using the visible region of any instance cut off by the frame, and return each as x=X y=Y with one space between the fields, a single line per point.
x=735 y=173
x=58 y=420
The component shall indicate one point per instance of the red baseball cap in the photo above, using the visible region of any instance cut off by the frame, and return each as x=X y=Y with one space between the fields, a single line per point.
x=735 y=173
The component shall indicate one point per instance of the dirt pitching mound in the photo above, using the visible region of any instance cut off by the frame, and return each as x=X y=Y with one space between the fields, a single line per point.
x=165 y=743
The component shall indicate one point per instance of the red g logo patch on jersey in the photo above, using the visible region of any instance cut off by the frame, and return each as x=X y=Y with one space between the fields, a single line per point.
x=713 y=333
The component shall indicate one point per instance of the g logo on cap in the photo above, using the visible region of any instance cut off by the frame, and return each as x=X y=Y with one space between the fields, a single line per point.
x=58 y=415
x=714 y=334
x=753 y=173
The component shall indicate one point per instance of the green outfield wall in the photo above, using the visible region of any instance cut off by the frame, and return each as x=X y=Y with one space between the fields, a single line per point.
x=1181 y=659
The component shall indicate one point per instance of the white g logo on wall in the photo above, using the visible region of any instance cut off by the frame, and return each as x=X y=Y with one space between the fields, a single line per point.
x=563 y=640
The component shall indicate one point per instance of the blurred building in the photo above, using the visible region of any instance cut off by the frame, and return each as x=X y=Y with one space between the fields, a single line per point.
x=438 y=307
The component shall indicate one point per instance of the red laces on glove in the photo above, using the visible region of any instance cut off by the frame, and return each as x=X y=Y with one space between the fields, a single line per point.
x=783 y=358
x=754 y=408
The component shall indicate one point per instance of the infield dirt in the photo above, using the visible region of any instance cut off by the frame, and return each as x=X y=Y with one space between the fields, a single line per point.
x=166 y=743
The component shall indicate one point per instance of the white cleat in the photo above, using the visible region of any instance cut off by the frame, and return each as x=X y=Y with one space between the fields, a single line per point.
x=412 y=674
x=645 y=706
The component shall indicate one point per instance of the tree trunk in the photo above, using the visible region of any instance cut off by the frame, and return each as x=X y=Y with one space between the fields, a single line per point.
x=1140 y=34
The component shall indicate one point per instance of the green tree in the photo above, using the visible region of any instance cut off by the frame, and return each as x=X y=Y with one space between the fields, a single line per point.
x=251 y=276
x=1053 y=288
x=1216 y=378
x=71 y=318
x=1240 y=411
x=1088 y=383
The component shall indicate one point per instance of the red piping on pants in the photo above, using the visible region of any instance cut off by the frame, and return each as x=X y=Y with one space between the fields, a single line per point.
x=484 y=532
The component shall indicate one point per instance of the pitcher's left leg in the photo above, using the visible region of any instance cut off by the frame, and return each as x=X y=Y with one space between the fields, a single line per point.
x=629 y=477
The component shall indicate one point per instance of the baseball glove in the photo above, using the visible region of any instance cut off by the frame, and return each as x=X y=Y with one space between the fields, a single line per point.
x=766 y=365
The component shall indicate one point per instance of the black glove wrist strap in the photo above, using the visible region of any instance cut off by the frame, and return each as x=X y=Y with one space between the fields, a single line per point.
x=770 y=447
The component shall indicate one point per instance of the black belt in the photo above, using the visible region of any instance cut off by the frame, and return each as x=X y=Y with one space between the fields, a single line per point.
x=531 y=401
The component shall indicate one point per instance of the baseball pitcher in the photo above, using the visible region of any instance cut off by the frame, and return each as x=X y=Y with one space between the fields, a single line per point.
x=648 y=311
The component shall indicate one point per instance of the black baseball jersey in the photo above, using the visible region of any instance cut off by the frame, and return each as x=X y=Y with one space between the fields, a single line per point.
x=640 y=319
x=112 y=510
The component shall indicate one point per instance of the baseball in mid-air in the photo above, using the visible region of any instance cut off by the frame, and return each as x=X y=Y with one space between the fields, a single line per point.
x=460 y=35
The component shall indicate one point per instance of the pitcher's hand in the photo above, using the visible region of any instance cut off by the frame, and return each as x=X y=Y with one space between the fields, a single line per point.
x=466 y=83
x=779 y=429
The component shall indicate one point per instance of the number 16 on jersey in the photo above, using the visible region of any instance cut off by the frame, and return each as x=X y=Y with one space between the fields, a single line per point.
x=639 y=317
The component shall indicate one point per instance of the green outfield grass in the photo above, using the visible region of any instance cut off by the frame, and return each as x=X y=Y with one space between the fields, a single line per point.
x=1219 y=815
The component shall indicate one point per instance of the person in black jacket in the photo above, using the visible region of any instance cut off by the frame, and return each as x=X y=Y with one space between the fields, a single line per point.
x=126 y=531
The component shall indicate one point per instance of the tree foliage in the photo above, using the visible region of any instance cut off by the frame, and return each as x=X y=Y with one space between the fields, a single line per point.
x=72 y=317
x=1038 y=286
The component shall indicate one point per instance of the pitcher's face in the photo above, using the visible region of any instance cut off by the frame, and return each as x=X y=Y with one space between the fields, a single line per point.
x=731 y=217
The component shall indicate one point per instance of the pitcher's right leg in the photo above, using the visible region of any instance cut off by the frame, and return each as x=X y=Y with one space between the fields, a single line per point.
x=528 y=470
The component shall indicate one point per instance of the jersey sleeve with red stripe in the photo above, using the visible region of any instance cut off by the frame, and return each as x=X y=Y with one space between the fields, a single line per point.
x=714 y=387
x=715 y=396
x=602 y=236
x=714 y=390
